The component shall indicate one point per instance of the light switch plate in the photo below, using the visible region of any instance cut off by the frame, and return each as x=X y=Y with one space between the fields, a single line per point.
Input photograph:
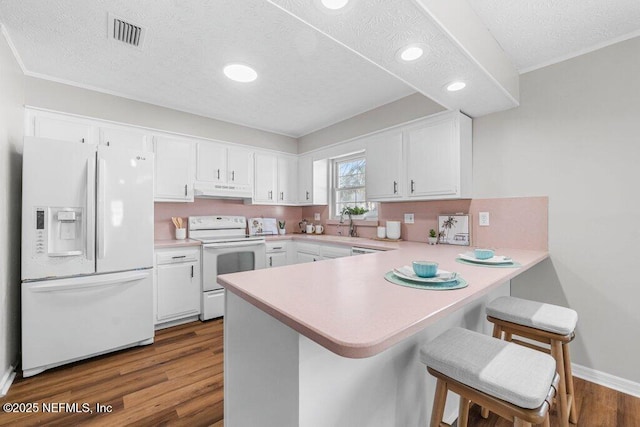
x=408 y=218
x=483 y=219
x=316 y=216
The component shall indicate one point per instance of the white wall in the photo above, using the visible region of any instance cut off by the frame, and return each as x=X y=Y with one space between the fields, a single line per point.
x=11 y=133
x=576 y=138
x=403 y=110
x=71 y=99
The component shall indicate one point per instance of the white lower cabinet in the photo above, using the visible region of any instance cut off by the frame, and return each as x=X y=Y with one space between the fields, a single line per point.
x=334 y=251
x=310 y=252
x=177 y=287
x=277 y=254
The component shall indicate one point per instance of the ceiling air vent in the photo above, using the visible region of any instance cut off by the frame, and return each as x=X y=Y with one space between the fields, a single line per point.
x=126 y=32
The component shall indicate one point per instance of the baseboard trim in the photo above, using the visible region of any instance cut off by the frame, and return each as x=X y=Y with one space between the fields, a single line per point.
x=7 y=380
x=606 y=380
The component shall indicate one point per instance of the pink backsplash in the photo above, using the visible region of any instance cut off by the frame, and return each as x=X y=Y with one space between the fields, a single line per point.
x=164 y=228
x=514 y=222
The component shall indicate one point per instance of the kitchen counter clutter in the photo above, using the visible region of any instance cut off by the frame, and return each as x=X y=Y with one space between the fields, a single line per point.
x=334 y=339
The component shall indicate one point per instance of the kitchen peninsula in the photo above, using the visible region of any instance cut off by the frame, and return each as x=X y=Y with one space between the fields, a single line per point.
x=333 y=343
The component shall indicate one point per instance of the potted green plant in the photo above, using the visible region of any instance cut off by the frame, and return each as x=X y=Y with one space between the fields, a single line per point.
x=281 y=228
x=433 y=237
x=355 y=212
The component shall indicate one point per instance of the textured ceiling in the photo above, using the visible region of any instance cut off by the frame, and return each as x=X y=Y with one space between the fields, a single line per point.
x=306 y=81
x=316 y=67
x=535 y=33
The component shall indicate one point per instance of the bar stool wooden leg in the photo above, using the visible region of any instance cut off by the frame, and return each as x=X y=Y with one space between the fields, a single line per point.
x=439 y=401
x=517 y=422
x=546 y=422
x=556 y=352
x=463 y=412
x=573 y=415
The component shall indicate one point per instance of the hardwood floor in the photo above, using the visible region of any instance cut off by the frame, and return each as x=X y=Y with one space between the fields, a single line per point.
x=178 y=381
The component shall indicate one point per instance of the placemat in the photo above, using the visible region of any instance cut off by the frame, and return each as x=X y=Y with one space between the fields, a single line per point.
x=514 y=264
x=447 y=286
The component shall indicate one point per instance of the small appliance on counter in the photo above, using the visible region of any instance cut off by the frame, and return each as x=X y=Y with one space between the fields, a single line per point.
x=303 y=225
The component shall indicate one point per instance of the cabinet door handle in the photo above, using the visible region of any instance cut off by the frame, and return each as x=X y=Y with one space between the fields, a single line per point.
x=192 y=271
x=275 y=248
x=395 y=187
x=233 y=175
x=108 y=143
x=413 y=187
x=270 y=195
x=185 y=189
x=82 y=140
x=282 y=195
x=177 y=257
x=307 y=195
x=270 y=261
x=218 y=173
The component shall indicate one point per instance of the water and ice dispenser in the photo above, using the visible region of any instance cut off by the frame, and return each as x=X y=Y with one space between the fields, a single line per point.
x=59 y=231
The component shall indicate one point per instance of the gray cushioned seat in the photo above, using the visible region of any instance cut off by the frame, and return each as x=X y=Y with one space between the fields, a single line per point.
x=505 y=370
x=547 y=317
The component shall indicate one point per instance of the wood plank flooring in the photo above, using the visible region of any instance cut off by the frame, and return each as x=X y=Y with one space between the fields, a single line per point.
x=178 y=381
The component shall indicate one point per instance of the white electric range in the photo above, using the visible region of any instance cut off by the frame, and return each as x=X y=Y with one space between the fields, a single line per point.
x=226 y=248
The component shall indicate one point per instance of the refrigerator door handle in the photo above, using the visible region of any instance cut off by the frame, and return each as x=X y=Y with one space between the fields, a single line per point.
x=72 y=284
x=101 y=237
x=91 y=203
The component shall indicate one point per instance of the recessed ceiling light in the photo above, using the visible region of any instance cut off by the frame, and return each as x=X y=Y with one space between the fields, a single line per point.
x=411 y=53
x=454 y=86
x=334 y=4
x=240 y=73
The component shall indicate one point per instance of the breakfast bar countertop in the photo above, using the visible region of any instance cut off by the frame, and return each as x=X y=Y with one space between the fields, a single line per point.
x=348 y=307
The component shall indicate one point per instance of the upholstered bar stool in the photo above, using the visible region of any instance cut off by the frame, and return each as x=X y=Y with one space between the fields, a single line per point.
x=545 y=323
x=514 y=382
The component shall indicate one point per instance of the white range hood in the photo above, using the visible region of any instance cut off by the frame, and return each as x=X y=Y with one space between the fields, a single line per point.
x=204 y=190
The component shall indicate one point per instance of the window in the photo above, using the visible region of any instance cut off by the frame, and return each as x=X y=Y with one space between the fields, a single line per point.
x=349 y=184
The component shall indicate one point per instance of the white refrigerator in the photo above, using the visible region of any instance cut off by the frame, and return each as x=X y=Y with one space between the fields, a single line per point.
x=87 y=251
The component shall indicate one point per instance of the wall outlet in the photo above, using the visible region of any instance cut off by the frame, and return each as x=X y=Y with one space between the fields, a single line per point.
x=483 y=219
x=316 y=216
x=408 y=218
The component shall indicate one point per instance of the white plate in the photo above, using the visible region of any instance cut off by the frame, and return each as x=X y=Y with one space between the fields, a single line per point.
x=497 y=259
x=406 y=272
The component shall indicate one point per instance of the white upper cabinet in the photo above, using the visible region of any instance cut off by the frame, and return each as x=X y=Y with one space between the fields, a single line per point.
x=427 y=160
x=174 y=169
x=219 y=163
x=130 y=139
x=275 y=179
x=385 y=169
x=211 y=163
x=287 y=179
x=64 y=128
x=223 y=170
x=239 y=166
x=433 y=160
x=312 y=180
x=266 y=179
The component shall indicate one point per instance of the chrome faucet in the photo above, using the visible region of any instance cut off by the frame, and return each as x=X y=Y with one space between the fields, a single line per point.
x=339 y=226
x=352 y=226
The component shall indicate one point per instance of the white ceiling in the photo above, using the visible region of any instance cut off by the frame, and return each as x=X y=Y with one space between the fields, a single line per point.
x=315 y=67
x=536 y=33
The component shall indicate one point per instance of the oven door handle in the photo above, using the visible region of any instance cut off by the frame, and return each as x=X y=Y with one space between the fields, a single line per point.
x=233 y=244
